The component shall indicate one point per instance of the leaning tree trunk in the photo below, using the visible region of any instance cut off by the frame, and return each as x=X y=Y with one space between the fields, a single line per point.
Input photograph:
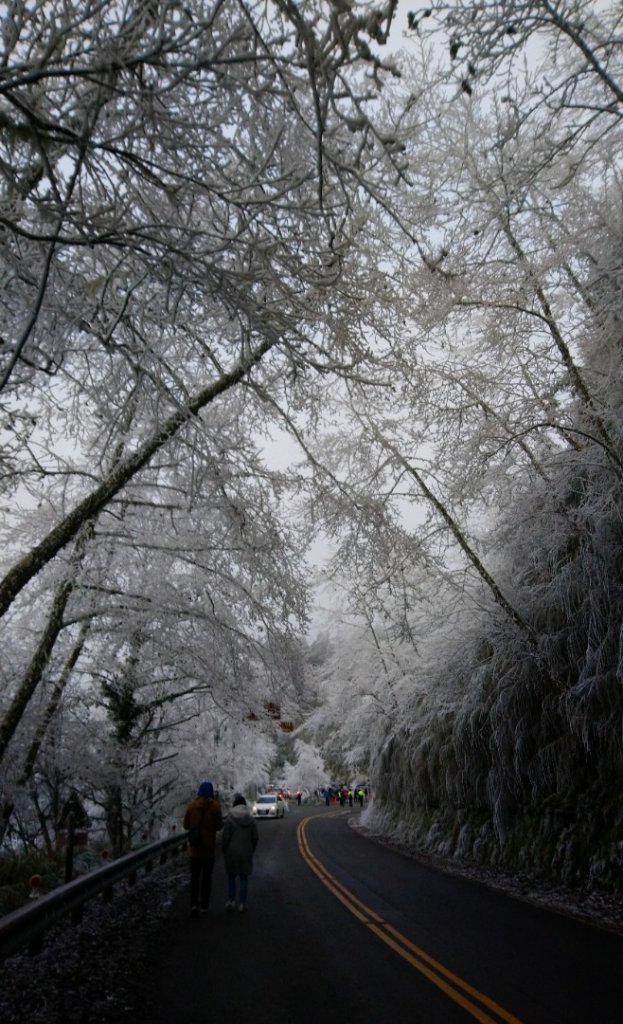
x=40 y=732
x=41 y=657
x=28 y=566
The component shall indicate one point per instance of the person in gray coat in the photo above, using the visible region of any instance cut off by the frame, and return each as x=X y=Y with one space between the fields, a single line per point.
x=240 y=838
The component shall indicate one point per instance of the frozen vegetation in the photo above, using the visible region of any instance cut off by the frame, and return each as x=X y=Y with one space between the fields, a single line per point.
x=395 y=249
x=480 y=675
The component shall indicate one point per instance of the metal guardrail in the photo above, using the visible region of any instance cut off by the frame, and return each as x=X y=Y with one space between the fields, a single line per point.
x=26 y=926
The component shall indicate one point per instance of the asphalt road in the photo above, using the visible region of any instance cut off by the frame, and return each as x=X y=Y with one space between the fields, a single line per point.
x=341 y=930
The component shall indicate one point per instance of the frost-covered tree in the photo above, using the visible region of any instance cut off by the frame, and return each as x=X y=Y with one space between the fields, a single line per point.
x=189 y=585
x=182 y=185
x=183 y=192
x=507 y=746
x=486 y=369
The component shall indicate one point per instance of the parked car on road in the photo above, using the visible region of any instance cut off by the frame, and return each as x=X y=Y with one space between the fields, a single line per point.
x=268 y=805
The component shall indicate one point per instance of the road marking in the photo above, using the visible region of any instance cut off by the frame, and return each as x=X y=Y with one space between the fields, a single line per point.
x=451 y=984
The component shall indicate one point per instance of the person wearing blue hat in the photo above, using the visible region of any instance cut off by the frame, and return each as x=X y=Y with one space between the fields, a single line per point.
x=202 y=820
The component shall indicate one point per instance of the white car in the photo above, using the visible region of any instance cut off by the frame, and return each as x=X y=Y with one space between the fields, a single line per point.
x=268 y=805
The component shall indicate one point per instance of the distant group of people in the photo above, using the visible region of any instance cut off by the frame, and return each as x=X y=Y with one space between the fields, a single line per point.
x=345 y=794
x=202 y=820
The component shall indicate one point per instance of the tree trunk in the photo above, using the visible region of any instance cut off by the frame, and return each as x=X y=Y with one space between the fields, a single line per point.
x=40 y=731
x=39 y=661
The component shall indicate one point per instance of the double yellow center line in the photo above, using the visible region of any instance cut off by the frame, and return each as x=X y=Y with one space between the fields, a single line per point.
x=480 y=1006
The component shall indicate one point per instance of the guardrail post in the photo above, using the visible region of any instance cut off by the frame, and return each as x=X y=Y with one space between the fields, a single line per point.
x=69 y=852
x=107 y=892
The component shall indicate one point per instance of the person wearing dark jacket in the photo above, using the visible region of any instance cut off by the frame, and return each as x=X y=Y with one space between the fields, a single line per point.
x=203 y=819
x=239 y=841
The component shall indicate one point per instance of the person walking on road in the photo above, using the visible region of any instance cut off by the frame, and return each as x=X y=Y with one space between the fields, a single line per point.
x=240 y=838
x=203 y=819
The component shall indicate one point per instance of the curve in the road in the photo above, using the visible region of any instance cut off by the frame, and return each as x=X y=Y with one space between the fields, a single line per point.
x=451 y=984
